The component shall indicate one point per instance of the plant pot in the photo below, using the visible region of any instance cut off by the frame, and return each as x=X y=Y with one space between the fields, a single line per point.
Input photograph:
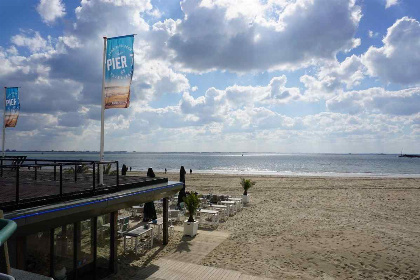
x=245 y=199
x=190 y=228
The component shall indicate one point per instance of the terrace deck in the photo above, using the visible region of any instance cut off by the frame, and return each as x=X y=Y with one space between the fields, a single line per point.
x=46 y=188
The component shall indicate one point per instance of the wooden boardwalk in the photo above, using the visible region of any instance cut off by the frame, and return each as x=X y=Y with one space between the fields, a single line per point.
x=184 y=262
x=176 y=270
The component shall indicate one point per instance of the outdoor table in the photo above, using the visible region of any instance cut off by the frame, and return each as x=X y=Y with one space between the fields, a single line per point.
x=136 y=233
x=159 y=226
x=120 y=220
x=214 y=216
x=174 y=214
x=237 y=200
x=231 y=204
x=224 y=208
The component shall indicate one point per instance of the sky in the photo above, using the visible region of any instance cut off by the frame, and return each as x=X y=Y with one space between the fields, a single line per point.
x=288 y=76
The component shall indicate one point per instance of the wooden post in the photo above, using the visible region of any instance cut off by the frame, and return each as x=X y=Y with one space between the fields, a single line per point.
x=165 y=221
x=4 y=255
x=114 y=242
x=20 y=252
x=94 y=244
x=52 y=257
x=36 y=170
x=55 y=171
x=76 y=246
x=17 y=185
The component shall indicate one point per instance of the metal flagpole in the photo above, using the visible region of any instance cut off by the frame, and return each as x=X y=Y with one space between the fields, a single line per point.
x=101 y=155
x=4 y=123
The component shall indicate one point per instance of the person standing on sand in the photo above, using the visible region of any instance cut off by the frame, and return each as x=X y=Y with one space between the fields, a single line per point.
x=124 y=170
x=149 y=210
x=150 y=173
x=165 y=170
x=181 y=194
x=190 y=171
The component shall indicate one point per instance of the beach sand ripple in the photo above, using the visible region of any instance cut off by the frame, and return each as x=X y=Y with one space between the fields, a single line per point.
x=319 y=228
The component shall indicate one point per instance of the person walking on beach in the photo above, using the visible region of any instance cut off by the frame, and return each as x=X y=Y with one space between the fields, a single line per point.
x=130 y=168
x=181 y=194
x=165 y=170
x=190 y=171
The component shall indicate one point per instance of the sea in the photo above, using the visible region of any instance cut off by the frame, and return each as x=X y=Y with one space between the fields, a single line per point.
x=348 y=165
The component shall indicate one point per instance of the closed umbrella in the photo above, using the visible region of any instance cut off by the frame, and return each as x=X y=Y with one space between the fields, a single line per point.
x=182 y=193
x=149 y=207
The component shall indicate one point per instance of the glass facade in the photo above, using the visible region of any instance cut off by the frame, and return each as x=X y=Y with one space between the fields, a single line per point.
x=37 y=258
x=63 y=252
x=103 y=246
x=80 y=250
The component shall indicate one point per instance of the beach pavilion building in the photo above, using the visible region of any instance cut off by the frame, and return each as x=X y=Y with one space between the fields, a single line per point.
x=67 y=225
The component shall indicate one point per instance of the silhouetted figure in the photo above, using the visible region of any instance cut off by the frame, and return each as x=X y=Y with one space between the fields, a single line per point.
x=130 y=168
x=124 y=170
x=165 y=170
x=181 y=194
x=149 y=212
x=190 y=171
x=150 y=173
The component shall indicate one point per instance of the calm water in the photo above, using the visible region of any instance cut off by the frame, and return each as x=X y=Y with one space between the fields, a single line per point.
x=256 y=163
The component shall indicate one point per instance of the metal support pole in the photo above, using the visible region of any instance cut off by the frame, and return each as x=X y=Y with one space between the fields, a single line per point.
x=98 y=175
x=61 y=180
x=101 y=155
x=93 y=176
x=4 y=123
x=17 y=185
x=165 y=221
x=1 y=168
x=55 y=171
x=118 y=175
x=75 y=173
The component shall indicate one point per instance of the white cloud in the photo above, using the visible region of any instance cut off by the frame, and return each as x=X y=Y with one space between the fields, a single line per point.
x=377 y=100
x=34 y=44
x=372 y=34
x=398 y=61
x=226 y=35
x=332 y=77
x=390 y=3
x=50 y=10
x=61 y=78
x=216 y=104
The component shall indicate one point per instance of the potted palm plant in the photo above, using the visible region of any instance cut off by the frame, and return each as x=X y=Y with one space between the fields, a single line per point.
x=191 y=203
x=246 y=185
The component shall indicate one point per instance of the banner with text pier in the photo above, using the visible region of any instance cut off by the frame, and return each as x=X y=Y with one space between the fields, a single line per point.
x=119 y=67
x=12 y=107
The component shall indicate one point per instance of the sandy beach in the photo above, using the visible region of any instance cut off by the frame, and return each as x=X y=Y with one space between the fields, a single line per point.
x=318 y=228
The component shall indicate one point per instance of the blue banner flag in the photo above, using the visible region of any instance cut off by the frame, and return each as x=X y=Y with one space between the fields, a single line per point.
x=119 y=67
x=12 y=107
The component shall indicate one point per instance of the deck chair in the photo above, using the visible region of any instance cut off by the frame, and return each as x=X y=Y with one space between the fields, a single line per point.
x=123 y=226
